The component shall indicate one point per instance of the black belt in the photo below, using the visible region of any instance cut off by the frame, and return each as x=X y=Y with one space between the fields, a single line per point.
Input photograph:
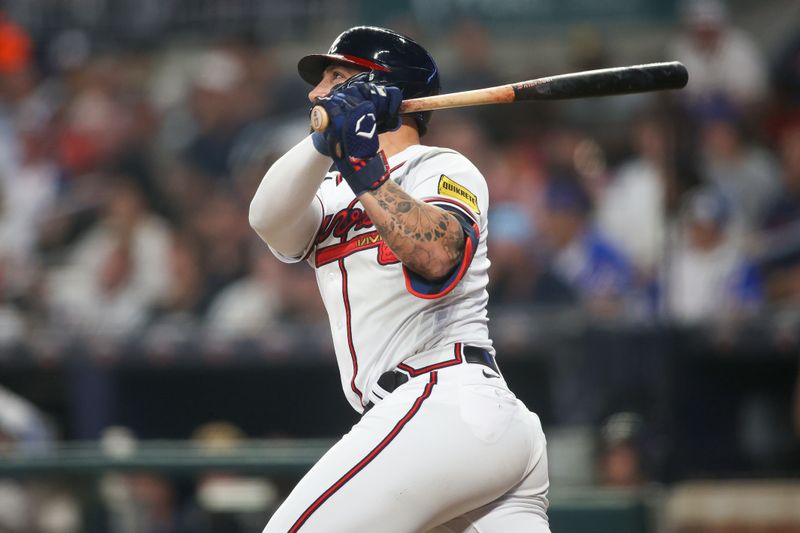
x=389 y=381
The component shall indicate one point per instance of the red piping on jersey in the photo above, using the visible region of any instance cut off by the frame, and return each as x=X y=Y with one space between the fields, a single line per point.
x=466 y=260
x=414 y=372
x=369 y=457
x=349 y=318
x=398 y=165
x=352 y=348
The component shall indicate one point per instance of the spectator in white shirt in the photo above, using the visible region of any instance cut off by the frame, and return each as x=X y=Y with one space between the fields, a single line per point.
x=720 y=58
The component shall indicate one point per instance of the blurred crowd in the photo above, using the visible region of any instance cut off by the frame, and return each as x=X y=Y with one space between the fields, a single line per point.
x=125 y=180
x=680 y=207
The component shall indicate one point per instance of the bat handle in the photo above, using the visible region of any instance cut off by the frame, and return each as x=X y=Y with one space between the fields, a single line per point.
x=319 y=118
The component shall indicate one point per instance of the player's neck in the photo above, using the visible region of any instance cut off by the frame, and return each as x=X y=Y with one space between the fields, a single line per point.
x=394 y=142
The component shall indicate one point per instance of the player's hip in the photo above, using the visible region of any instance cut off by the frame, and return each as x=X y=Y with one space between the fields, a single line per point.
x=470 y=407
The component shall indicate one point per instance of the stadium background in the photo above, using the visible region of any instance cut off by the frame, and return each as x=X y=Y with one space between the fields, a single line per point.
x=159 y=371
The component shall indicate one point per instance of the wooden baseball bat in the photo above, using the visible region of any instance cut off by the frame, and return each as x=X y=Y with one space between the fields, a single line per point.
x=589 y=83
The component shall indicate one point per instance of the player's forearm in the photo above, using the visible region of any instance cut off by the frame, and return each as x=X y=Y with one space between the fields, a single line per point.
x=427 y=239
x=283 y=210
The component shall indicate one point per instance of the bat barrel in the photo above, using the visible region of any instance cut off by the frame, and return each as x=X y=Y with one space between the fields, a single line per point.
x=604 y=82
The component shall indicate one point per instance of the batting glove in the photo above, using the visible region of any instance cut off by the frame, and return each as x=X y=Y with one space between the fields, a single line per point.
x=385 y=99
x=351 y=139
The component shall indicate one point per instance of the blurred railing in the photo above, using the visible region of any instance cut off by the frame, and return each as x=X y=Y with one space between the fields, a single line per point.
x=269 y=457
x=711 y=400
x=97 y=465
x=120 y=476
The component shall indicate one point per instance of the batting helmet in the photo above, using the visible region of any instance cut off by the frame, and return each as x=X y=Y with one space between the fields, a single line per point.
x=390 y=58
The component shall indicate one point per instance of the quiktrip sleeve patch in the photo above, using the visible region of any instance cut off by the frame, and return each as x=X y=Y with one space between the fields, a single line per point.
x=452 y=189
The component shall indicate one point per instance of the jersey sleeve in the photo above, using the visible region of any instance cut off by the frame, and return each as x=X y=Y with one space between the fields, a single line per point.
x=450 y=181
x=308 y=249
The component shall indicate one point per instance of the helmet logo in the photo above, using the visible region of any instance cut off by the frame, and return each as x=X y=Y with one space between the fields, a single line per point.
x=367 y=134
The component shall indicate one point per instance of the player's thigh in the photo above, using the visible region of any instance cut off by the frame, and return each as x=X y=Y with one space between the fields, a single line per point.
x=416 y=460
x=522 y=509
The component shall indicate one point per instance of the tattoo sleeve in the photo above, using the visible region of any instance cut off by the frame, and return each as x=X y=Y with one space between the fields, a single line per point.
x=427 y=239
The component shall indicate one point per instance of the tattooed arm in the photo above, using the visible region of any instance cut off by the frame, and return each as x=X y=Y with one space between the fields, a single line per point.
x=427 y=239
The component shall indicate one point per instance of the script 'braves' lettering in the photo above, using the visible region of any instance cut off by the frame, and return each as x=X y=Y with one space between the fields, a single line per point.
x=340 y=224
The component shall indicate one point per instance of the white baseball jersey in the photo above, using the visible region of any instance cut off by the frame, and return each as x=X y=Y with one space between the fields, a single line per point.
x=381 y=313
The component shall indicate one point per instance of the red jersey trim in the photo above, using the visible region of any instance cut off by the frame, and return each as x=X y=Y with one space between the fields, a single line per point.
x=458 y=358
x=348 y=318
x=359 y=243
x=450 y=202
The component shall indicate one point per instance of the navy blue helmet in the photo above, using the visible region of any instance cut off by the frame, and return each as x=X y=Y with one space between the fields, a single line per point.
x=390 y=58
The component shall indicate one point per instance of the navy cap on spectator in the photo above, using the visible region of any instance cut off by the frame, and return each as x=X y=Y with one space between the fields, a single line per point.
x=717 y=108
x=708 y=206
x=567 y=195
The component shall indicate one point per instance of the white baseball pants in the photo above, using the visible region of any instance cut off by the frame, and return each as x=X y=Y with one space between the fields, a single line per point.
x=450 y=451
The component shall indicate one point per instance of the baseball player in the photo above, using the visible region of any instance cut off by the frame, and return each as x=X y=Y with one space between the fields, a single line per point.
x=396 y=233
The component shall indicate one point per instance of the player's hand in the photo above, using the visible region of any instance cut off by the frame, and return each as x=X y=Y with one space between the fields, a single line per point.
x=386 y=100
x=351 y=139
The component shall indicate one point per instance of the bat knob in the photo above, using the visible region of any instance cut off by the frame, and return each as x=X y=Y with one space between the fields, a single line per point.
x=319 y=118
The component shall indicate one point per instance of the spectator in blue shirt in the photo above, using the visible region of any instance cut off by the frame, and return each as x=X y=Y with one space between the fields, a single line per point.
x=580 y=255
